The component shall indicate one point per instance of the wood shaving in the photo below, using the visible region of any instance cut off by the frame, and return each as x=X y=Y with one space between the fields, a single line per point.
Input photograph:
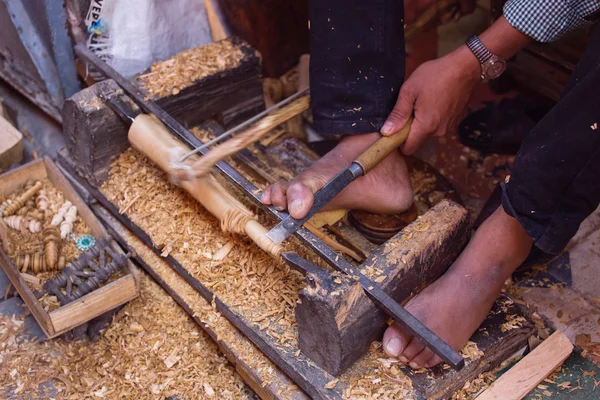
x=173 y=75
x=122 y=364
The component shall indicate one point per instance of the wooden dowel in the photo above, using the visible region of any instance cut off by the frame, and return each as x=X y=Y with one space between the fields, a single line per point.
x=179 y=173
x=151 y=138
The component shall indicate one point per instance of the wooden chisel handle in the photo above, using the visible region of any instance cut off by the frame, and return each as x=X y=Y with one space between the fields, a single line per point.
x=382 y=148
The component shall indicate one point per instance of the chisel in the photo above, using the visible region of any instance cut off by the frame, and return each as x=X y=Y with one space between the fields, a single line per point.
x=359 y=167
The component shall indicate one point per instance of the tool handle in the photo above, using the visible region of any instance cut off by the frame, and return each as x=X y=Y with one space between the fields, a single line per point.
x=382 y=148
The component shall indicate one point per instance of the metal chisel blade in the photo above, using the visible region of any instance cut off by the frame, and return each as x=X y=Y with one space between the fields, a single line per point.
x=289 y=225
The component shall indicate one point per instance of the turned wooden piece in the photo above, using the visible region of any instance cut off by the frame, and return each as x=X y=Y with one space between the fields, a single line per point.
x=151 y=138
x=337 y=321
x=95 y=135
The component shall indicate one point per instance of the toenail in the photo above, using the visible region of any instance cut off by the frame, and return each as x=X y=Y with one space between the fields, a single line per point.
x=414 y=365
x=403 y=359
x=279 y=208
x=296 y=206
x=393 y=346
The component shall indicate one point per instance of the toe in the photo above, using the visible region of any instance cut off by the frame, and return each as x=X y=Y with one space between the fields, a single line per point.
x=265 y=198
x=414 y=347
x=278 y=197
x=421 y=359
x=433 y=361
x=300 y=199
x=395 y=340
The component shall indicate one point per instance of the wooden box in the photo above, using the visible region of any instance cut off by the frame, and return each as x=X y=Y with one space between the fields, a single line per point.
x=103 y=299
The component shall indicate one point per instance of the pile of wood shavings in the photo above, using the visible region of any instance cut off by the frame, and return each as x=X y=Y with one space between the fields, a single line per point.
x=377 y=377
x=175 y=74
x=247 y=279
x=152 y=350
x=208 y=314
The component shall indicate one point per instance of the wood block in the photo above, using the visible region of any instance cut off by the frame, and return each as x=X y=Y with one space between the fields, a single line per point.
x=337 y=321
x=531 y=370
x=11 y=144
x=95 y=135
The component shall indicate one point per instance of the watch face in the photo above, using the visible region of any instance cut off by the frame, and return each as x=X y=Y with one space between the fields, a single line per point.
x=494 y=67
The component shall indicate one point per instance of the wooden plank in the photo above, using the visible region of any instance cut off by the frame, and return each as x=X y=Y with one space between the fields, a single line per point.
x=11 y=144
x=531 y=370
x=93 y=304
x=337 y=321
x=268 y=383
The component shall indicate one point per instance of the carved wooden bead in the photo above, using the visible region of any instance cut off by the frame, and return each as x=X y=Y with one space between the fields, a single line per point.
x=42 y=202
x=20 y=201
x=60 y=215
x=51 y=246
x=66 y=227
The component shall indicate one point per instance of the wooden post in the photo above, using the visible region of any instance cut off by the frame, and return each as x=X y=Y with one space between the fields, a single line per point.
x=96 y=135
x=336 y=320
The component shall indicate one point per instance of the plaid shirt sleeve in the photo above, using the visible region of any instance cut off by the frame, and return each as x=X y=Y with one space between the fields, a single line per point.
x=548 y=20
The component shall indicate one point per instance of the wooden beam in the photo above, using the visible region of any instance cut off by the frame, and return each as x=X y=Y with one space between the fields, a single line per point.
x=336 y=320
x=531 y=370
x=95 y=135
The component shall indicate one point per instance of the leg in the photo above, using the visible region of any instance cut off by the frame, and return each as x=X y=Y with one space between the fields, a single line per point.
x=552 y=189
x=357 y=67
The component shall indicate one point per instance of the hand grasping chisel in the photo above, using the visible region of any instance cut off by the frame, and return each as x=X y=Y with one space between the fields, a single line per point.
x=359 y=167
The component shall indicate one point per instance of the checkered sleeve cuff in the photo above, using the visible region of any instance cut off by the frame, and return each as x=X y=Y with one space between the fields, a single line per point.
x=548 y=20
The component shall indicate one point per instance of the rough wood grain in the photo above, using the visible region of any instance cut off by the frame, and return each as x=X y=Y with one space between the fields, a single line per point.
x=337 y=321
x=95 y=134
x=11 y=144
x=531 y=370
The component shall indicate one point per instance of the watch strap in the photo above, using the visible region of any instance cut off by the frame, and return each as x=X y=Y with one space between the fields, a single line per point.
x=479 y=49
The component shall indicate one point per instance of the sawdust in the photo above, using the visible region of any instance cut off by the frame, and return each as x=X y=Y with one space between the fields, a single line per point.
x=128 y=361
x=173 y=75
x=215 y=323
x=251 y=282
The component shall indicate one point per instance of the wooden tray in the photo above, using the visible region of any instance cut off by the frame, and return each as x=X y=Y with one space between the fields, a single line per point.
x=107 y=297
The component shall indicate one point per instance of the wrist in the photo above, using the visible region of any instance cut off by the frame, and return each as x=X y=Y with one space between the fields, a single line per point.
x=467 y=63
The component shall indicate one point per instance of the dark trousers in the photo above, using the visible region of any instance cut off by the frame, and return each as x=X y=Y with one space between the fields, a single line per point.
x=357 y=68
x=357 y=63
x=555 y=183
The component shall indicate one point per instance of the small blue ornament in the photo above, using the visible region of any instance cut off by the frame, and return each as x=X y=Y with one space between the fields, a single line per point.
x=85 y=242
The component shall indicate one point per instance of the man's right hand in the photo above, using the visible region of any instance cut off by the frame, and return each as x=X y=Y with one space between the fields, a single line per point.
x=437 y=94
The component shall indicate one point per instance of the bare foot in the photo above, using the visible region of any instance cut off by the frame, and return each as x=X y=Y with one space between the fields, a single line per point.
x=456 y=304
x=384 y=190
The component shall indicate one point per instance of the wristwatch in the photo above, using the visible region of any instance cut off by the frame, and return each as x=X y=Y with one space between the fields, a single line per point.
x=492 y=66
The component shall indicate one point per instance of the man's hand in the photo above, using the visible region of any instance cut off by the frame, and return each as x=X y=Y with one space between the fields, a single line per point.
x=437 y=94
